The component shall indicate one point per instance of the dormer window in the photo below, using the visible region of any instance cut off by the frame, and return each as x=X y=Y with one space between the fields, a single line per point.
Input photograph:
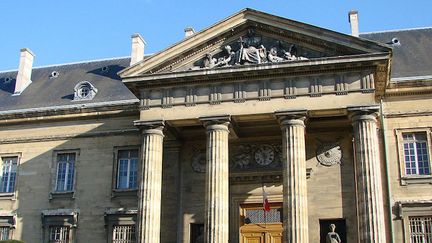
x=84 y=90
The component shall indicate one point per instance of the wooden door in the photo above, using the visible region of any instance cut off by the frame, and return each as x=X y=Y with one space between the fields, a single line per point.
x=274 y=237
x=257 y=227
x=253 y=237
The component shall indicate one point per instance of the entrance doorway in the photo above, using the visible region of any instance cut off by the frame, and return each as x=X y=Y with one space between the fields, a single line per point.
x=259 y=227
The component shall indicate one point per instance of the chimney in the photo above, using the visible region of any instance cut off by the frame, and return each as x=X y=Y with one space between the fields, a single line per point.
x=189 y=31
x=24 y=71
x=138 y=44
x=353 y=19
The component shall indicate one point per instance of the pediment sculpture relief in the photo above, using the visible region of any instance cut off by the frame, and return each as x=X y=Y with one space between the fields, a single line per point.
x=252 y=49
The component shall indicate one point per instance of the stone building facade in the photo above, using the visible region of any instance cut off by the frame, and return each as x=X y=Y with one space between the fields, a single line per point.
x=185 y=144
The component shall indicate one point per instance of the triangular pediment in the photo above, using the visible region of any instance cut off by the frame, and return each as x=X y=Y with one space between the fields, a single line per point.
x=252 y=37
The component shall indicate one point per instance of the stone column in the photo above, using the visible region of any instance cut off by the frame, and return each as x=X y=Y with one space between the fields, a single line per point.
x=150 y=188
x=216 y=221
x=368 y=175
x=295 y=207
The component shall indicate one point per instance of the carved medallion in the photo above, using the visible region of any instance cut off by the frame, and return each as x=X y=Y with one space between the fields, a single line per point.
x=329 y=154
x=241 y=157
x=199 y=162
x=264 y=155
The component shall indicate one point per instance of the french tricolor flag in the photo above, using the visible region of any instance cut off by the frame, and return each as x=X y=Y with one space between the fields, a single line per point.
x=266 y=204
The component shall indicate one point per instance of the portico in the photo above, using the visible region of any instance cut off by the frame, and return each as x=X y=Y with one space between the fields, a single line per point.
x=244 y=118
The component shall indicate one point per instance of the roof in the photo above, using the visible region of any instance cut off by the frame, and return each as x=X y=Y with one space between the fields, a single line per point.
x=46 y=91
x=413 y=56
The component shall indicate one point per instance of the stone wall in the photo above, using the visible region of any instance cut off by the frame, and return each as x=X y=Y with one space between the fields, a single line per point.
x=331 y=189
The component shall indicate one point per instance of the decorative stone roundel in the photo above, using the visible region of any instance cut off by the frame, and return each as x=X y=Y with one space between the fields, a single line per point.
x=264 y=155
x=329 y=154
x=199 y=162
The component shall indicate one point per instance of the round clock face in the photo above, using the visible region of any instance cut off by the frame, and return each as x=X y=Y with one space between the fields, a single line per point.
x=264 y=155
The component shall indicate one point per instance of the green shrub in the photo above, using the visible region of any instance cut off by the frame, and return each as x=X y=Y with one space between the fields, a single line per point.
x=11 y=241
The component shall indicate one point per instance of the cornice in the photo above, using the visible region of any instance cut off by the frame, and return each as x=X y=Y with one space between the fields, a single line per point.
x=408 y=114
x=69 y=112
x=33 y=139
x=306 y=67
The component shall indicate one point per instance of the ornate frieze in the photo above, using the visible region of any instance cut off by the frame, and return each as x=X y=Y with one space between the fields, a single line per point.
x=191 y=97
x=367 y=83
x=215 y=95
x=341 y=86
x=290 y=89
x=167 y=98
x=239 y=93
x=145 y=100
x=315 y=87
x=263 y=90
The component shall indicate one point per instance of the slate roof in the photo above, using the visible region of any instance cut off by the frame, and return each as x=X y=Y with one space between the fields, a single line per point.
x=413 y=57
x=46 y=91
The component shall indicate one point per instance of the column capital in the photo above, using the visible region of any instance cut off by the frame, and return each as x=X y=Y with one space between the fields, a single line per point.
x=291 y=117
x=363 y=113
x=216 y=122
x=150 y=127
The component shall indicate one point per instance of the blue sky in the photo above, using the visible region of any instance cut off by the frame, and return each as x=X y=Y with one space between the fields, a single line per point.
x=68 y=31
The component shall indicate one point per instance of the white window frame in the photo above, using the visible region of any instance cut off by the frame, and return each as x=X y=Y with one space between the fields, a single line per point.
x=10 y=168
x=124 y=192
x=11 y=194
x=412 y=208
x=129 y=161
x=407 y=179
x=55 y=170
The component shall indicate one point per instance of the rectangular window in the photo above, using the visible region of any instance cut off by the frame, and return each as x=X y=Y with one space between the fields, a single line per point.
x=416 y=156
x=120 y=224
x=420 y=229
x=8 y=174
x=65 y=172
x=4 y=232
x=127 y=169
x=58 y=234
x=123 y=234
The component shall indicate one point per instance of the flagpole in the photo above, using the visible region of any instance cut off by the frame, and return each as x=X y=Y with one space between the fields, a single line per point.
x=264 y=204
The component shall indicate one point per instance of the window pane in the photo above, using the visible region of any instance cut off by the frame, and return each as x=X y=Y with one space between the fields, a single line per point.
x=133 y=173
x=420 y=229
x=4 y=233
x=416 y=153
x=122 y=178
x=58 y=234
x=127 y=169
x=65 y=172
x=123 y=234
x=8 y=175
